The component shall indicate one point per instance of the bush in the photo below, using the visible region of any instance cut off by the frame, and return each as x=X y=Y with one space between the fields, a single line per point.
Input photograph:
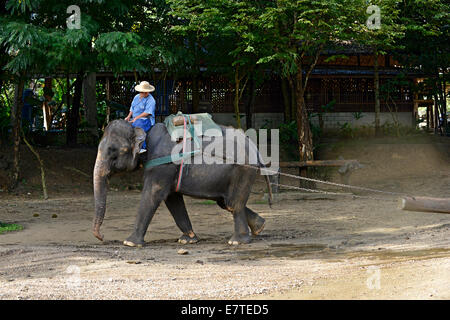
x=5 y=227
x=289 y=139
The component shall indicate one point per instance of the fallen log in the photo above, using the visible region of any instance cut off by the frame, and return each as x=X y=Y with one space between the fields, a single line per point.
x=440 y=205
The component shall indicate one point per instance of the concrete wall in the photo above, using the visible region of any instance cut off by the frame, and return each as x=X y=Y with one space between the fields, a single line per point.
x=269 y=120
x=332 y=120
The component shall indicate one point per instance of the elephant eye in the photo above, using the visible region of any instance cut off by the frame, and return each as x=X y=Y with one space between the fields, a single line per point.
x=124 y=150
x=112 y=152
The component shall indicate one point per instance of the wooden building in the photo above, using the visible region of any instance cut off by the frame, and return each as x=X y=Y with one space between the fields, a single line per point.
x=349 y=82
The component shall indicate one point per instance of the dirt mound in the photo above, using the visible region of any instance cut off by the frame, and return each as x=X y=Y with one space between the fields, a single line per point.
x=68 y=171
x=397 y=163
x=394 y=163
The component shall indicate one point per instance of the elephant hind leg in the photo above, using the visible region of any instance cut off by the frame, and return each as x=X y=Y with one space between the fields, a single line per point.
x=254 y=220
x=175 y=204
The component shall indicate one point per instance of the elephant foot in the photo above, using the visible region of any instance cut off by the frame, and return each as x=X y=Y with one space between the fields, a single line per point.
x=191 y=237
x=257 y=226
x=239 y=239
x=133 y=242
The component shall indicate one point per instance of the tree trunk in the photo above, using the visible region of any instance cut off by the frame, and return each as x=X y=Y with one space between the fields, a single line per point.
x=41 y=165
x=236 y=98
x=250 y=104
x=303 y=129
x=377 y=94
x=90 y=101
x=16 y=114
x=304 y=133
x=74 y=111
x=443 y=103
x=436 y=114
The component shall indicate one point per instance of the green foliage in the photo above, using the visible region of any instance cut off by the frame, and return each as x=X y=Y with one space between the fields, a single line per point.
x=6 y=227
x=289 y=139
x=390 y=31
x=346 y=130
x=388 y=129
x=21 y=6
x=425 y=47
x=324 y=109
x=299 y=29
x=230 y=37
x=5 y=123
x=357 y=115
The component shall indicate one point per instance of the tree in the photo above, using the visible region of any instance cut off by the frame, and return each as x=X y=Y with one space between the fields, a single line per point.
x=298 y=32
x=227 y=31
x=35 y=39
x=425 y=47
x=381 y=34
x=23 y=46
x=38 y=41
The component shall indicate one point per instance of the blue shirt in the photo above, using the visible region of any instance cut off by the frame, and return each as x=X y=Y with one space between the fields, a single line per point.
x=146 y=105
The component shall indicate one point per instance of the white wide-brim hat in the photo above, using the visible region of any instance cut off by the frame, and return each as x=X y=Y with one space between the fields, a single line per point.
x=144 y=86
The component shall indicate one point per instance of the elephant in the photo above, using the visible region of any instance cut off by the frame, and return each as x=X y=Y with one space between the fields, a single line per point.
x=227 y=184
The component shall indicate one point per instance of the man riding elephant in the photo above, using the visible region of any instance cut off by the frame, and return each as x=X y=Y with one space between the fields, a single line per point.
x=142 y=110
x=229 y=184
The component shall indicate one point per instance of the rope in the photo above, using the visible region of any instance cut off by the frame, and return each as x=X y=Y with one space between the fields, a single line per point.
x=318 y=181
x=337 y=184
x=331 y=193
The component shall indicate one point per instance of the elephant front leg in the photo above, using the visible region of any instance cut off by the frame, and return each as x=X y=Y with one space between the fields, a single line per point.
x=150 y=201
x=241 y=234
x=175 y=204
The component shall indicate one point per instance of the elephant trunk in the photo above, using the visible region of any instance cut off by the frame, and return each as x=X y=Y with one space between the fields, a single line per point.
x=101 y=171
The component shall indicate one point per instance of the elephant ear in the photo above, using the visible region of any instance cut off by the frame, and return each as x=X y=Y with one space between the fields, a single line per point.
x=139 y=138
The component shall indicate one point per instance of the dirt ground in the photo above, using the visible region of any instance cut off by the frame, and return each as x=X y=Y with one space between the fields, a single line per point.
x=327 y=247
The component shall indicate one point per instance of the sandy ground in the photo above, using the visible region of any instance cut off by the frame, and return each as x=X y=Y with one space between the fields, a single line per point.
x=314 y=248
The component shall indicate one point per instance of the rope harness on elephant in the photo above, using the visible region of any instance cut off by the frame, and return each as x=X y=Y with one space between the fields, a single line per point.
x=181 y=156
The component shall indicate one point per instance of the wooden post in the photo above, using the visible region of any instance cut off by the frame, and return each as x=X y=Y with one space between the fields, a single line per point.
x=440 y=205
x=431 y=116
x=45 y=107
x=436 y=116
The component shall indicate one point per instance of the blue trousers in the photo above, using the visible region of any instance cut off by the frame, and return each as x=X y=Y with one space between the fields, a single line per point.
x=145 y=124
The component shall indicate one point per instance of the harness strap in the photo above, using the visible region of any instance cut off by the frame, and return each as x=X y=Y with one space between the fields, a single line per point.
x=192 y=132
x=180 y=174
x=169 y=159
x=176 y=157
